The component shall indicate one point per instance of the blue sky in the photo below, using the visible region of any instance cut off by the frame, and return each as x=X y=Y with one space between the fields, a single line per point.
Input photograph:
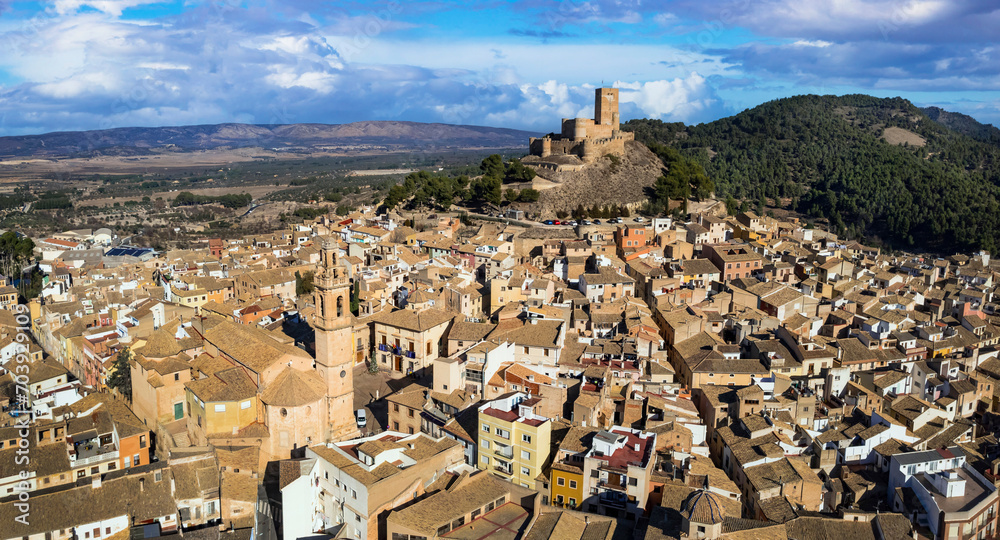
x=93 y=64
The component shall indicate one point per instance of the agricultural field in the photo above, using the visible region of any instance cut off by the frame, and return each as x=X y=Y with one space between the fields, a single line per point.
x=167 y=201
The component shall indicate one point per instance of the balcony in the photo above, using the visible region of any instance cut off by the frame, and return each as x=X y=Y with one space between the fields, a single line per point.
x=97 y=458
x=605 y=484
x=509 y=471
x=613 y=499
x=505 y=451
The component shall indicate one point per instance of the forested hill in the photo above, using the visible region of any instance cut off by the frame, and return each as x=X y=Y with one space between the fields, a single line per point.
x=875 y=168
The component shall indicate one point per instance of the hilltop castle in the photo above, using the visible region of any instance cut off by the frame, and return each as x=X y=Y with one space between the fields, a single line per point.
x=585 y=138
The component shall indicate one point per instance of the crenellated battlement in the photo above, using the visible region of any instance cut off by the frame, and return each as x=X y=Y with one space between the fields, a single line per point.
x=589 y=139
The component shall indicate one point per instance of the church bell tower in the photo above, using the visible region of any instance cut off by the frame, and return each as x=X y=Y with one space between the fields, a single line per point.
x=334 y=342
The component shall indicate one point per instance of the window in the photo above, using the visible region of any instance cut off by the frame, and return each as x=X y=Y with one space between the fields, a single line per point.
x=486 y=460
x=220 y=407
x=633 y=482
x=395 y=408
x=560 y=481
x=142 y=441
x=486 y=428
x=245 y=404
x=572 y=484
x=525 y=350
x=177 y=376
x=525 y=454
x=572 y=501
x=409 y=412
x=526 y=438
x=135 y=460
x=354 y=494
x=428 y=347
x=486 y=444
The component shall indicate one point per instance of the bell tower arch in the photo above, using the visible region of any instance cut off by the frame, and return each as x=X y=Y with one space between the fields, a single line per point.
x=334 y=342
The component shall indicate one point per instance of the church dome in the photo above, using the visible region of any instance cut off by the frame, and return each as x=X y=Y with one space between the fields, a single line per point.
x=704 y=507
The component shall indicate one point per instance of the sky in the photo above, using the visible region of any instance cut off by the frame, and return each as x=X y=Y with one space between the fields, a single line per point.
x=97 y=64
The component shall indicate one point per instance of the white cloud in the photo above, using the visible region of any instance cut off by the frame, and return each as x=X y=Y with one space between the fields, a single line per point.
x=686 y=99
x=816 y=43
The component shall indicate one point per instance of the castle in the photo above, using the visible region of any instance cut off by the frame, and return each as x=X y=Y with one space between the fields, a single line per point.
x=585 y=138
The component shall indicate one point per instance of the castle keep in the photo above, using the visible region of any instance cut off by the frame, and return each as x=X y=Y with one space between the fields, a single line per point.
x=585 y=138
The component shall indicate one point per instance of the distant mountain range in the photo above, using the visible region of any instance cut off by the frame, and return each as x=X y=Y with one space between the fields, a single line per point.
x=136 y=141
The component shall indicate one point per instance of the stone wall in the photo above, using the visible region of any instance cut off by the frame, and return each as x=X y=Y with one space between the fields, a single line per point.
x=588 y=139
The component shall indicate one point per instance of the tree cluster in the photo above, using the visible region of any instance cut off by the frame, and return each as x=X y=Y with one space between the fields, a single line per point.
x=825 y=156
x=230 y=200
x=425 y=190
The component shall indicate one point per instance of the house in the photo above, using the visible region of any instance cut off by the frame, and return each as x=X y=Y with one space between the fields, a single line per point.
x=348 y=485
x=940 y=489
x=513 y=440
x=467 y=505
x=408 y=340
x=606 y=285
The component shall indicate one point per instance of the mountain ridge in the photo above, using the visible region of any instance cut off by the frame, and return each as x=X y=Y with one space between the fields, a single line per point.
x=877 y=169
x=132 y=140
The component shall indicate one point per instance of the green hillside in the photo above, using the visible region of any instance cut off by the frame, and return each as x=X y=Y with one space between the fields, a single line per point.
x=877 y=169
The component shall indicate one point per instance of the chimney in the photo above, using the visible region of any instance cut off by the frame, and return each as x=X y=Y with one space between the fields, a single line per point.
x=142 y=485
x=95 y=481
x=637 y=447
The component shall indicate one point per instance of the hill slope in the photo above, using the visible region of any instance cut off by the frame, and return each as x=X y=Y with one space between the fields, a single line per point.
x=964 y=124
x=831 y=157
x=125 y=141
x=600 y=183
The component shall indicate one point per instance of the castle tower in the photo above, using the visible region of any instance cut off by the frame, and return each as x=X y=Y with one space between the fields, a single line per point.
x=334 y=337
x=606 y=107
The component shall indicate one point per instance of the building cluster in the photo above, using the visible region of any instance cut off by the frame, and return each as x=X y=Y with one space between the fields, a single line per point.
x=722 y=377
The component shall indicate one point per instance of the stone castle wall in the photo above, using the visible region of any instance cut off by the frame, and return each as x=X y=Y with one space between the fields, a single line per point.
x=587 y=149
x=587 y=139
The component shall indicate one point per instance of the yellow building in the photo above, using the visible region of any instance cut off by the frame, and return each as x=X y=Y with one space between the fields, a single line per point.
x=192 y=298
x=513 y=440
x=567 y=485
x=223 y=403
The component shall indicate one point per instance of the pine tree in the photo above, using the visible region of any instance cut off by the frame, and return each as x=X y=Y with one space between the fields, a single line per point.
x=121 y=376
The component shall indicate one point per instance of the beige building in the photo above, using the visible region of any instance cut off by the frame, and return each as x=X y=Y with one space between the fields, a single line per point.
x=276 y=282
x=407 y=341
x=349 y=485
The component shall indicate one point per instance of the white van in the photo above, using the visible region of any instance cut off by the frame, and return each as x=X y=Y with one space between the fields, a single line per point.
x=362 y=417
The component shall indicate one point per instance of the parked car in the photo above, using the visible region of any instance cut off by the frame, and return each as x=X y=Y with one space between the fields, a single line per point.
x=597 y=222
x=556 y=222
x=362 y=418
x=587 y=222
x=549 y=222
x=638 y=219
